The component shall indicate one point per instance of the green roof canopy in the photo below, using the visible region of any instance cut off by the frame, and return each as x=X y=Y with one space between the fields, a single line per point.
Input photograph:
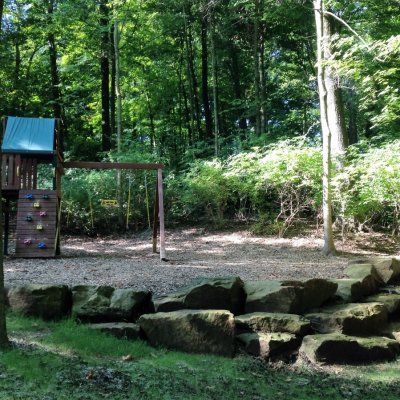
x=29 y=135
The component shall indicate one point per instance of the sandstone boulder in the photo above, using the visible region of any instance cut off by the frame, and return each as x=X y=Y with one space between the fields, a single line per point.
x=337 y=348
x=350 y=319
x=392 y=331
x=225 y=293
x=106 y=304
x=197 y=331
x=120 y=330
x=349 y=290
x=390 y=300
x=292 y=297
x=388 y=269
x=44 y=301
x=269 y=345
x=273 y=322
x=367 y=275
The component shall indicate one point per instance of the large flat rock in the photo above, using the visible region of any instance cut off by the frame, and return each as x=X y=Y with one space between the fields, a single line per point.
x=390 y=300
x=225 y=293
x=291 y=297
x=44 y=301
x=195 y=331
x=273 y=322
x=107 y=304
x=269 y=345
x=337 y=348
x=351 y=319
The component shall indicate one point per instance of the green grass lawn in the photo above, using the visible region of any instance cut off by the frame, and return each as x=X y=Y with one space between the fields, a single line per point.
x=66 y=360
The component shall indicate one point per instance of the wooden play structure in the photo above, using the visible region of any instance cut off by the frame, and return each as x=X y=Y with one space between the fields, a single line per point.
x=27 y=144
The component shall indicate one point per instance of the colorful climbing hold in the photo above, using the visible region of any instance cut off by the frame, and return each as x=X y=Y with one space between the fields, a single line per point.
x=45 y=196
x=29 y=218
x=42 y=213
x=29 y=196
x=28 y=242
x=41 y=245
x=39 y=227
x=36 y=204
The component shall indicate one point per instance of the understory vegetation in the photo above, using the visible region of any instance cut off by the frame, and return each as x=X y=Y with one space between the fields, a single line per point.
x=275 y=189
x=66 y=360
x=225 y=94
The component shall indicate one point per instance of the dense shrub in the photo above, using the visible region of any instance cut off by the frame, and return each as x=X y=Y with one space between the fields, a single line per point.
x=275 y=188
x=367 y=191
x=83 y=192
x=277 y=185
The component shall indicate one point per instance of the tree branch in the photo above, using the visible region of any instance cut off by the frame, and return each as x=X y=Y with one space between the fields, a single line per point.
x=359 y=37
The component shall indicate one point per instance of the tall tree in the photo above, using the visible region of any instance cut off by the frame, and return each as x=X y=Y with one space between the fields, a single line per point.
x=323 y=76
x=1 y=12
x=105 y=74
x=3 y=326
x=334 y=98
x=55 y=79
x=204 y=70
x=259 y=67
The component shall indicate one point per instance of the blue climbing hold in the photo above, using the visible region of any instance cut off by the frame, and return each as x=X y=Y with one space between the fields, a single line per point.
x=29 y=218
x=41 y=245
x=29 y=196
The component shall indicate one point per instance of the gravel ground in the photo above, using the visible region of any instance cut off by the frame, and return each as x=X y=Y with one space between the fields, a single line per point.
x=128 y=262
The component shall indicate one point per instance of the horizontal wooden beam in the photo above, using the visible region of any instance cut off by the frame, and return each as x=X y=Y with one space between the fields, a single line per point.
x=110 y=165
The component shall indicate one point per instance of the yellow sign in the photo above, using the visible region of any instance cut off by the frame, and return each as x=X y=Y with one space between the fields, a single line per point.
x=109 y=202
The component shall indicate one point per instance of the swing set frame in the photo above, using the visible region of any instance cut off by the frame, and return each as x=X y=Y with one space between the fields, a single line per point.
x=158 y=212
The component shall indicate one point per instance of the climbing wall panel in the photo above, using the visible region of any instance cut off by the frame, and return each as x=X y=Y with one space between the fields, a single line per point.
x=37 y=216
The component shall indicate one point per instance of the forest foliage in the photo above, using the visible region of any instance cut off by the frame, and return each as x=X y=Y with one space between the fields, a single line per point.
x=224 y=93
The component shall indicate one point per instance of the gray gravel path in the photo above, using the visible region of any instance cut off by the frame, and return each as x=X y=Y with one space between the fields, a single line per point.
x=192 y=253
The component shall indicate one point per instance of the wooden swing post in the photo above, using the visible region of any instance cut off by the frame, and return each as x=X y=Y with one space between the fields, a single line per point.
x=155 y=217
x=161 y=213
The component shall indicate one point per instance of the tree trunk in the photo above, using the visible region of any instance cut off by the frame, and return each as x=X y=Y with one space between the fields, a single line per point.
x=55 y=82
x=105 y=75
x=352 y=109
x=193 y=86
x=185 y=96
x=55 y=76
x=112 y=89
x=261 y=71
x=215 y=90
x=1 y=12
x=237 y=87
x=17 y=70
x=257 y=83
x=151 y=118
x=204 y=76
x=3 y=326
x=329 y=245
x=336 y=120
x=121 y=219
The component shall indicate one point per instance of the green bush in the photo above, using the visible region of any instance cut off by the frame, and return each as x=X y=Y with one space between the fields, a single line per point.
x=367 y=192
x=283 y=180
x=83 y=192
x=276 y=188
x=278 y=184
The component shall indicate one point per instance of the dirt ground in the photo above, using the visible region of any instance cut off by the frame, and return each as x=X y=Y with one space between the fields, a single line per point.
x=128 y=262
